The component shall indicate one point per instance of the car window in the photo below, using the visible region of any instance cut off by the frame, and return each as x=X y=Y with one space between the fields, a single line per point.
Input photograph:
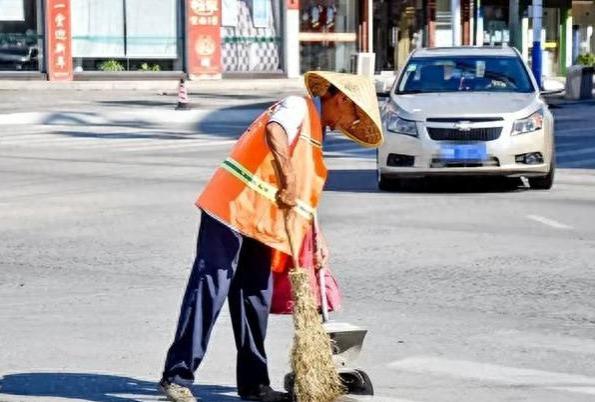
x=468 y=74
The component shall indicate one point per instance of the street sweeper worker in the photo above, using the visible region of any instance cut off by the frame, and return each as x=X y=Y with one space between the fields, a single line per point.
x=275 y=170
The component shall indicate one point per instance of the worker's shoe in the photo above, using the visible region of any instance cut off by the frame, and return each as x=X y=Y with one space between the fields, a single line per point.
x=176 y=393
x=264 y=393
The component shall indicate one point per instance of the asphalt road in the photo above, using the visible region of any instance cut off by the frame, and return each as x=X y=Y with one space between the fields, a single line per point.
x=471 y=290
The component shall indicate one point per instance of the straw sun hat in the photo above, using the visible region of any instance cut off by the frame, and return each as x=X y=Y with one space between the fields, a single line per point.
x=367 y=131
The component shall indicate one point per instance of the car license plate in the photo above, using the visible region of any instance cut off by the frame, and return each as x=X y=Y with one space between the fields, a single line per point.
x=464 y=152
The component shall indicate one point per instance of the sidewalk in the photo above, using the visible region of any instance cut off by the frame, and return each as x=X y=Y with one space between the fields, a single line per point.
x=225 y=85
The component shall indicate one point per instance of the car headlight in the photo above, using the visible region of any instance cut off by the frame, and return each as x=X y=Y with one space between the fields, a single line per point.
x=400 y=126
x=529 y=124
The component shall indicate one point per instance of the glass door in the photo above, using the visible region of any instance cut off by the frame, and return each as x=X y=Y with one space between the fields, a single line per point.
x=328 y=34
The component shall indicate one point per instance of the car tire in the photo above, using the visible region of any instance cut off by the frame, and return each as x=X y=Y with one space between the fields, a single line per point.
x=388 y=184
x=545 y=182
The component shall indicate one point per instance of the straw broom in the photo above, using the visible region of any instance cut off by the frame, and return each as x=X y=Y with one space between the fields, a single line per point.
x=316 y=377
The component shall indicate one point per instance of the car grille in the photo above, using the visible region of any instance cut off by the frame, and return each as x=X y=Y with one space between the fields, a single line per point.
x=474 y=134
x=448 y=163
x=459 y=119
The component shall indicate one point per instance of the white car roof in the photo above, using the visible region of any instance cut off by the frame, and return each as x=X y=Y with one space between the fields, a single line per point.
x=464 y=51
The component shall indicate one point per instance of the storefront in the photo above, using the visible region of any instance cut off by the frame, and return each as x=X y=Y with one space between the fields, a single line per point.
x=127 y=35
x=21 y=35
x=498 y=24
x=251 y=36
x=92 y=39
x=130 y=39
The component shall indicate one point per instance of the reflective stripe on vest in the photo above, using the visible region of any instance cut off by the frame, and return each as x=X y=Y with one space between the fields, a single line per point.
x=311 y=140
x=265 y=189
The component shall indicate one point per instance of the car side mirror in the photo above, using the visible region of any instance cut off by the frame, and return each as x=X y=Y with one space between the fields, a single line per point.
x=551 y=87
x=551 y=93
x=383 y=84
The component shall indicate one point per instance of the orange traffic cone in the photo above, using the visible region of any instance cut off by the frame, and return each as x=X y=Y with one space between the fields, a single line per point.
x=182 y=96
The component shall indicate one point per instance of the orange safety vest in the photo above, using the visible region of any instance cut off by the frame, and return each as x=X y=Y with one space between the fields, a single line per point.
x=243 y=189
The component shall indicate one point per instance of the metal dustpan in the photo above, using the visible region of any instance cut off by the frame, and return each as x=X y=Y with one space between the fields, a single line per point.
x=347 y=341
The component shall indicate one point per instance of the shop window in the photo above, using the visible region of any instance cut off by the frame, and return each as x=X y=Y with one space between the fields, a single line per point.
x=396 y=32
x=21 y=44
x=328 y=34
x=131 y=35
x=251 y=35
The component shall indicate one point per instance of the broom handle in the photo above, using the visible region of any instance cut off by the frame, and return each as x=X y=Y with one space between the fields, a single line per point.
x=290 y=239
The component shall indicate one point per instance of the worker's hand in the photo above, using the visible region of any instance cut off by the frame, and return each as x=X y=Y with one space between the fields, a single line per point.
x=287 y=197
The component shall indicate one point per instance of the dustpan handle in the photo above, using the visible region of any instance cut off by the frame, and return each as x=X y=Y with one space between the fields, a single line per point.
x=321 y=275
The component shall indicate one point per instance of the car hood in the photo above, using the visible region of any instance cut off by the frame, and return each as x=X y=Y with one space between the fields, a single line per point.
x=465 y=104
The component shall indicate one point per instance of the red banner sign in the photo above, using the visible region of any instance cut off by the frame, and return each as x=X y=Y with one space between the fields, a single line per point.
x=203 y=22
x=59 y=40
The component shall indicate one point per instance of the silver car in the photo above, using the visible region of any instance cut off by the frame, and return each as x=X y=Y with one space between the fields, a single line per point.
x=466 y=111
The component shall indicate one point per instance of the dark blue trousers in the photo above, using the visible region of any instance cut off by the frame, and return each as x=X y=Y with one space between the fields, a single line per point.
x=227 y=265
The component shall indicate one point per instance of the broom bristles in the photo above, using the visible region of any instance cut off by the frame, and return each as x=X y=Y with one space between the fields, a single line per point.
x=316 y=377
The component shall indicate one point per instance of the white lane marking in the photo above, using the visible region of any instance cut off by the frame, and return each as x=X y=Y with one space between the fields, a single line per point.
x=497 y=374
x=548 y=222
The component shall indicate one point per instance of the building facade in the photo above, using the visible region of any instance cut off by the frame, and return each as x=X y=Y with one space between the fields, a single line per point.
x=93 y=39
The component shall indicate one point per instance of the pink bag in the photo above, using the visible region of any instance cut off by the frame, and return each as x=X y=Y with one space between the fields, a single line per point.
x=282 y=302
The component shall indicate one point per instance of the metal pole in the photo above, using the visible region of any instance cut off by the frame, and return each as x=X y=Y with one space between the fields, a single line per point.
x=536 y=56
x=478 y=24
x=455 y=14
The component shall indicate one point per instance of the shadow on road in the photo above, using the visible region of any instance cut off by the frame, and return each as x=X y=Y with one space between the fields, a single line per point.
x=231 y=122
x=365 y=181
x=352 y=180
x=97 y=388
x=137 y=103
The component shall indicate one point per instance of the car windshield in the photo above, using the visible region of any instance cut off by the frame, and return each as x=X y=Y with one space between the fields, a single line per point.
x=464 y=74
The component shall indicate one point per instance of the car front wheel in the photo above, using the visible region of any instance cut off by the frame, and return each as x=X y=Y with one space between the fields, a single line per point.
x=546 y=182
x=388 y=183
